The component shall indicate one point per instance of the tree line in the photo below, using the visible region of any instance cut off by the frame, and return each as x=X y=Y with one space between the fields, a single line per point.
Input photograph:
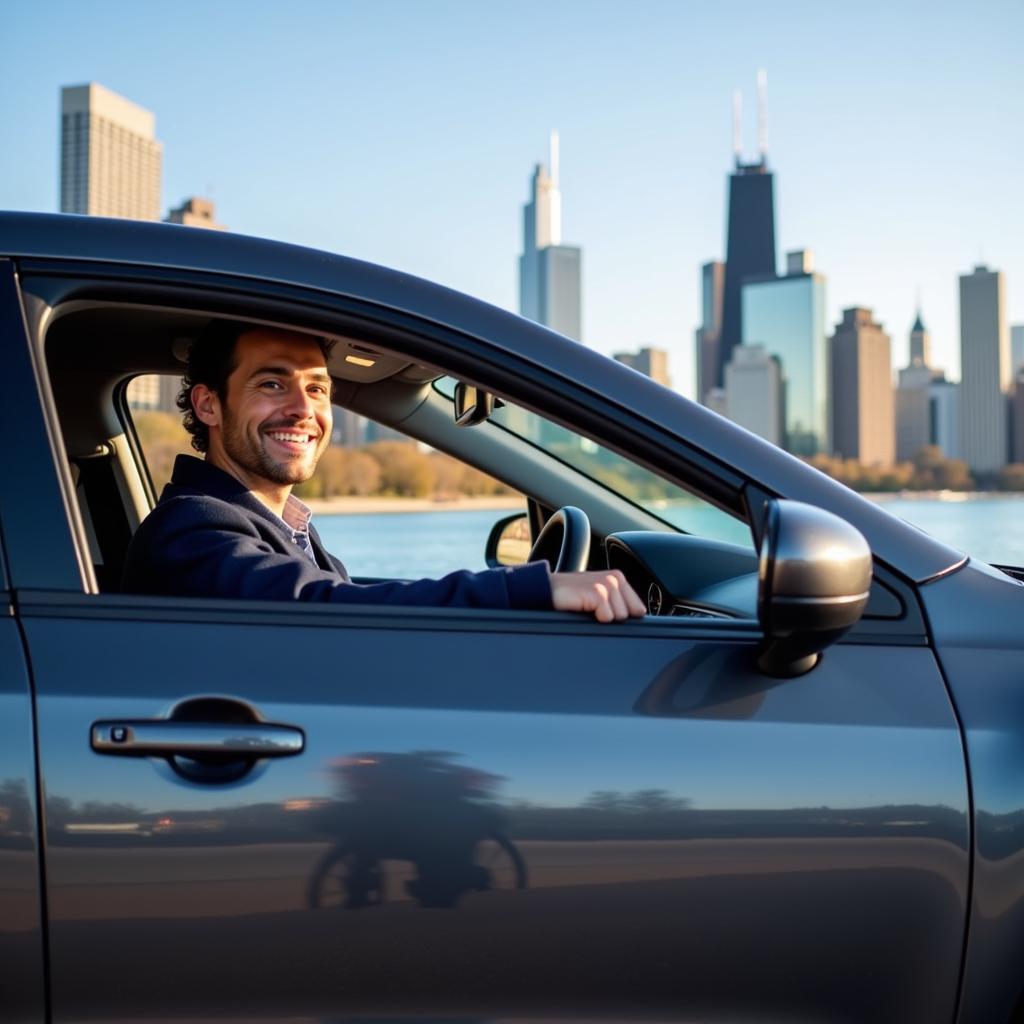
x=929 y=470
x=382 y=469
x=404 y=469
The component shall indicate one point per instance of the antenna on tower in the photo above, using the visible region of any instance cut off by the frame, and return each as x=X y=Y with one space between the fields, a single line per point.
x=554 y=158
x=737 y=125
x=762 y=114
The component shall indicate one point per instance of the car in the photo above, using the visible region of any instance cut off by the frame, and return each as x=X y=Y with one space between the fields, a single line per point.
x=792 y=791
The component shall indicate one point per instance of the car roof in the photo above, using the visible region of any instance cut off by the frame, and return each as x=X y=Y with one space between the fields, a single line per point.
x=913 y=553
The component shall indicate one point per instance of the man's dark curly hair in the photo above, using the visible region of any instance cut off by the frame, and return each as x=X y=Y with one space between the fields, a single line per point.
x=211 y=360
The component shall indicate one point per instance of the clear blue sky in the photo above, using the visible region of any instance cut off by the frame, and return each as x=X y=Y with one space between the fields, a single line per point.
x=405 y=133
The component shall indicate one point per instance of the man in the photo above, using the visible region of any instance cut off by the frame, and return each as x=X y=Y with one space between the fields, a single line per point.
x=257 y=402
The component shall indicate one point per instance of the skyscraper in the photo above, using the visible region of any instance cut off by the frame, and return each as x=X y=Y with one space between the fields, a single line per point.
x=1017 y=418
x=753 y=392
x=920 y=343
x=549 y=272
x=652 y=362
x=787 y=316
x=1016 y=347
x=985 y=376
x=110 y=161
x=914 y=414
x=862 y=398
x=944 y=415
x=750 y=231
x=712 y=285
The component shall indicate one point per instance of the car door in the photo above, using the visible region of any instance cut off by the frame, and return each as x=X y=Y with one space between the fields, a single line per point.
x=263 y=810
x=22 y=948
x=694 y=835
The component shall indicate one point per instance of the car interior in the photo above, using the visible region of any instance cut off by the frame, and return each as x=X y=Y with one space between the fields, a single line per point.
x=93 y=349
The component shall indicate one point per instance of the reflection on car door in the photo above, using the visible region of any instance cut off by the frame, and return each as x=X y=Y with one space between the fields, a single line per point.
x=494 y=814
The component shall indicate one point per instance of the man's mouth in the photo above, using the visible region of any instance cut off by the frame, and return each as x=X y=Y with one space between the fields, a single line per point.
x=291 y=437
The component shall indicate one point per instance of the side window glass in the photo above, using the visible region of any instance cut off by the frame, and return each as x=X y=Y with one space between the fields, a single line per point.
x=387 y=506
x=661 y=498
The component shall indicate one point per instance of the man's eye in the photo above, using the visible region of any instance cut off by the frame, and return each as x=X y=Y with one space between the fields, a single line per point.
x=272 y=385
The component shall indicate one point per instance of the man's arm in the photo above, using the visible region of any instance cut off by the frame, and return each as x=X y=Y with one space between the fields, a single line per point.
x=205 y=547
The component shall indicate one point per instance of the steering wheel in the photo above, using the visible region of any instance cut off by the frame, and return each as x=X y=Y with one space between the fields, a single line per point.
x=564 y=542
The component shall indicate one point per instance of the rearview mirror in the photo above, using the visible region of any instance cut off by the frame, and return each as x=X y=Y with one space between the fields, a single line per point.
x=814 y=577
x=472 y=405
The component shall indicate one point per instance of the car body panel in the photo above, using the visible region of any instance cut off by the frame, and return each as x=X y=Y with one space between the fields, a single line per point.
x=22 y=945
x=679 y=815
x=981 y=649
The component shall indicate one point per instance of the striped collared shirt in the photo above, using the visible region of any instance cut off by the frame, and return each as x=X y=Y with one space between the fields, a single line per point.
x=296 y=518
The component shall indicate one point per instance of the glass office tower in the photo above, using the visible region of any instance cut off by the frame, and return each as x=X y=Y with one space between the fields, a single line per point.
x=787 y=316
x=750 y=249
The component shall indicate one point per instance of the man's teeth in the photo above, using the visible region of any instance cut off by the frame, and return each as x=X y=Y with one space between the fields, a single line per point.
x=291 y=438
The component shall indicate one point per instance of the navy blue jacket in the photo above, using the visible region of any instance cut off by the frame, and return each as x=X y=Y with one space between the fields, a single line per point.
x=210 y=537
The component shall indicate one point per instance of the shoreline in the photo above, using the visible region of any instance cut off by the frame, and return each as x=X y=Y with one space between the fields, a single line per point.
x=951 y=496
x=351 y=505
x=377 y=505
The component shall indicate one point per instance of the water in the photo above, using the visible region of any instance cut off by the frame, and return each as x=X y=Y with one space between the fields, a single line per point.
x=412 y=545
x=989 y=528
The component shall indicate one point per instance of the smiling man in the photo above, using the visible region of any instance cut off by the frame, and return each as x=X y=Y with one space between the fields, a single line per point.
x=257 y=402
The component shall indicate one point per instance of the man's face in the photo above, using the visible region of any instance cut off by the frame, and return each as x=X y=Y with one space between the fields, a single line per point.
x=275 y=417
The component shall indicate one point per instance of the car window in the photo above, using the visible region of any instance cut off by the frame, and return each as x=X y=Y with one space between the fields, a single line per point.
x=667 y=501
x=151 y=401
x=386 y=505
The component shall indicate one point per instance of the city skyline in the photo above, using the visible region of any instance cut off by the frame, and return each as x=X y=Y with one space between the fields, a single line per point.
x=898 y=181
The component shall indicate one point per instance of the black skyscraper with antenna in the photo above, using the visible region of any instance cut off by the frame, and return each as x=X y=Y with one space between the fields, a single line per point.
x=750 y=234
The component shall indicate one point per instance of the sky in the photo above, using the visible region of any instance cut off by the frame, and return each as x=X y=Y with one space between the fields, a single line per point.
x=405 y=132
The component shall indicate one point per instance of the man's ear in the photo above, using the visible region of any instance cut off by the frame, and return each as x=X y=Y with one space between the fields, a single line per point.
x=206 y=405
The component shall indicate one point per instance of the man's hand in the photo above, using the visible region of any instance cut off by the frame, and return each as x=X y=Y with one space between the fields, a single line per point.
x=605 y=594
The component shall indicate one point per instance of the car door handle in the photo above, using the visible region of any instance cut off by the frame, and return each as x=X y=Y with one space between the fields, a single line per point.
x=167 y=738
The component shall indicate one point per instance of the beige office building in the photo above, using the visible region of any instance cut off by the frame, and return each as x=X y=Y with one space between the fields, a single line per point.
x=110 y=161
x=652 y=362
x=195 y=213
x=985 y=373
x=862 y=394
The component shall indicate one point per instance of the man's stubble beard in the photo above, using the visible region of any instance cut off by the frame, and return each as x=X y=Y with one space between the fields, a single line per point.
x=252 y=456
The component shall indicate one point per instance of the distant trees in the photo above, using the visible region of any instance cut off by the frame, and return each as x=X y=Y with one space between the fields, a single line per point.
x=397 y=469
x=162 y=438
x=930 y=470
x=400 y=469
x=405 y=470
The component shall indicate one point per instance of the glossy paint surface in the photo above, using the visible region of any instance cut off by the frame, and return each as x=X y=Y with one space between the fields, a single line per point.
x=682 y=822
x=976 y=615
x=21 y=937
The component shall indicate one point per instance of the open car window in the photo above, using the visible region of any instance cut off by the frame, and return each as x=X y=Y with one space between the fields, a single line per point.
x=388 y=506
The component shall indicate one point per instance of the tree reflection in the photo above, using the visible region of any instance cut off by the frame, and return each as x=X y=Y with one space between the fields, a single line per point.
x=418 y=807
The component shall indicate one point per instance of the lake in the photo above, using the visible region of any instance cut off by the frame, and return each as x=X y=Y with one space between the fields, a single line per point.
x=418 y=544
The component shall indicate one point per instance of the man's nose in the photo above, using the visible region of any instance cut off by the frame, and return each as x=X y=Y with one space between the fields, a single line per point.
x=300 y=404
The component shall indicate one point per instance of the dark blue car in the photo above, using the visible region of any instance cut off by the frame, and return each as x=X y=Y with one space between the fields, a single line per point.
x=794 y=791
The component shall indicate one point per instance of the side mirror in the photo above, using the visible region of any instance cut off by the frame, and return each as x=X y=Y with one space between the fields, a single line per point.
x=814 y=578
x=472 y=405
x=509 y=542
